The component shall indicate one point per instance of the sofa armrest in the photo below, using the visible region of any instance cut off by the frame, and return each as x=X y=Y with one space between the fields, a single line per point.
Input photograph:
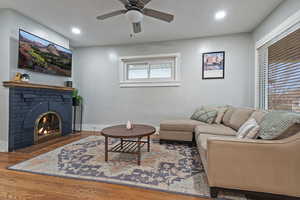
x=255 y=165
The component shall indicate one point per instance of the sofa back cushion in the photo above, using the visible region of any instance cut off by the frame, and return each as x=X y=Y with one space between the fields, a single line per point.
x=239 y=117
x=227 y=116
x=258 y=115
x=279 y=125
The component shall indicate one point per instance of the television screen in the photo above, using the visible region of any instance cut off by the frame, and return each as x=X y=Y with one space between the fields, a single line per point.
x=40 y=55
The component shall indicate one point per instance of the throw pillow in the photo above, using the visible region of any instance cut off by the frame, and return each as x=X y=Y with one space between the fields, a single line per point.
x=206 y=115
x=227 y=115
x=195 y=114
x=245 y=129
x=275 y=123
x=221 y=113
x=253 y=134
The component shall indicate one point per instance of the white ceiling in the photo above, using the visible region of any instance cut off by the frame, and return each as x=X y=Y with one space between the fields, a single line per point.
x=193 y=18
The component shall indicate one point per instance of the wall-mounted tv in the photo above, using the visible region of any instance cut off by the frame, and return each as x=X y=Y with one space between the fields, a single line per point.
x=40 y=55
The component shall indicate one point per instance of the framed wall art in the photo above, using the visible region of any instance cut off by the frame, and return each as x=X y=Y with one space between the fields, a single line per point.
x=213 y=65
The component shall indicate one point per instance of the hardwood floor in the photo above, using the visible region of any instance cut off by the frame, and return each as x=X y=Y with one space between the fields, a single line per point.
x=26 y=186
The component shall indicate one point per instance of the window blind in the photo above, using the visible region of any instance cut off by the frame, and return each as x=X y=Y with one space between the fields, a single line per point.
x=284 y=73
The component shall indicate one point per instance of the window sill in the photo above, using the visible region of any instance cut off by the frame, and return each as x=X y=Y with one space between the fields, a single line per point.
x=150 y=84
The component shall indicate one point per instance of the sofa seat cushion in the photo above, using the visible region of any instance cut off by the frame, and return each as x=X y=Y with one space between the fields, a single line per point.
x=176 y=135
x=180 y=125
x=214 y=129
x=203 y=138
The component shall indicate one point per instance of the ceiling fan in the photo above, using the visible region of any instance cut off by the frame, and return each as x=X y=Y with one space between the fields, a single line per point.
x=135 y=11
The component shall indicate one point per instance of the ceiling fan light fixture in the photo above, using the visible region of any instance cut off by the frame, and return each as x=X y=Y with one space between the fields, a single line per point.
x=134 y=16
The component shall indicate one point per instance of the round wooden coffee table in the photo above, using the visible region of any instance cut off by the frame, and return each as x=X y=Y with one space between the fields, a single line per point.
x=130 y=139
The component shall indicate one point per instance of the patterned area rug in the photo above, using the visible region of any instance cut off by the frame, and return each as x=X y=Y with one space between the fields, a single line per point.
x=168 y=167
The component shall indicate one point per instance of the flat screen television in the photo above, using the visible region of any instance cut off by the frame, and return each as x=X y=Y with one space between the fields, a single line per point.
x=40 y=55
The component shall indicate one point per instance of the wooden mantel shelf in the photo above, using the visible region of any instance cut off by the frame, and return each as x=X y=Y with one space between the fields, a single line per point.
x=33 y=85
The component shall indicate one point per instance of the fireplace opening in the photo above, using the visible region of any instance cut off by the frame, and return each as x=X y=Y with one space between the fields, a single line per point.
x=48 y=126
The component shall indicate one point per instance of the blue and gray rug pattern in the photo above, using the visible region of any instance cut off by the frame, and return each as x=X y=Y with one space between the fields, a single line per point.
x=167 y=167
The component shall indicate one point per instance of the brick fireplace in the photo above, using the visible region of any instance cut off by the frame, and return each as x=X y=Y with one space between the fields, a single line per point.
x=37 y=113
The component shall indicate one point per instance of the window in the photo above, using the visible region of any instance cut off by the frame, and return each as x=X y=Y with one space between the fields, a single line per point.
x=147 y=71
x=280 y=74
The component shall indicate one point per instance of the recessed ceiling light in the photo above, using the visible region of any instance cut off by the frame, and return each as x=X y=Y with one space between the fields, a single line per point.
x=220 y=15
x=76 y=31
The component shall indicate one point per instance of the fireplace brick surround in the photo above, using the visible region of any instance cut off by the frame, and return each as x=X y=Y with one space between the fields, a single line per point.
x=27 y=102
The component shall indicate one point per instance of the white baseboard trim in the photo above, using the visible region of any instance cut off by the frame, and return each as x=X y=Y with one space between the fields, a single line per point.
x=99 y=127
x=3 y=146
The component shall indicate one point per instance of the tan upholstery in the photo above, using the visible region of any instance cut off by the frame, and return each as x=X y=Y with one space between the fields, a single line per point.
x=180 y=125
x=270 y=166
x=221 y=113
x=214 y=129
x=289 y=132
x=176 y=135
x=203 y=156
x=239 y=117
x=258 y=115
x=227 y=116
x=203 y=138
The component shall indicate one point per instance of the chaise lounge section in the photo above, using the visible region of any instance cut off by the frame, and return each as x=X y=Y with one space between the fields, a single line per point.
x=257 y=165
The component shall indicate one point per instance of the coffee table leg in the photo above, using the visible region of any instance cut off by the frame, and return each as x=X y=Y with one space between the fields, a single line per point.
x=106 y=148
x=121 y=143
x=139 y=151
x=148 y=143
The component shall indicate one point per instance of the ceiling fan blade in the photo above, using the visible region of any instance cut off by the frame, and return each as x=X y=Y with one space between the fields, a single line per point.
x=137 y=27
x=158 y=15
x=125 y=2
x=112 y=14
x=145 y=2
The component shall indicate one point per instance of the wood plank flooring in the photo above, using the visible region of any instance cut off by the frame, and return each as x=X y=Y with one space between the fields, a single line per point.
x=25 y=186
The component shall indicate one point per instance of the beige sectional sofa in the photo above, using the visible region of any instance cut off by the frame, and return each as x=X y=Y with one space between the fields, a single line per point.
x=267 y=166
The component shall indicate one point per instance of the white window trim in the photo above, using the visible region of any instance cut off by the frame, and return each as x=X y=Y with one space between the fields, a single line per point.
x=176 y=82
x=283 y=29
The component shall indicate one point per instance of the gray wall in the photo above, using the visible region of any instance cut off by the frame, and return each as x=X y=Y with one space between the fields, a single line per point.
x=279 y=15
x=10 y=22
x=97 y=77
x=4 y=75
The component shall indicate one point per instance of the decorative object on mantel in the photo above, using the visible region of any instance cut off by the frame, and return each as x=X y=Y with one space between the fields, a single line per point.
x=69 y=83
x=25 y=77
x=213 y=65
x=77 y=110
x=18 y=77
x=22 y=77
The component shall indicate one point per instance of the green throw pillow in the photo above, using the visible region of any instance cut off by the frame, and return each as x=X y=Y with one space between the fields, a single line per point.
x=275 y=123
x=206 y=115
